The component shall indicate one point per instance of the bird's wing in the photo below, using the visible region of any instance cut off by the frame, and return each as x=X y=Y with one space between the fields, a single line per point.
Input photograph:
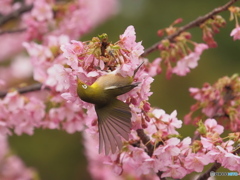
x=114 y=120
x=119 y=90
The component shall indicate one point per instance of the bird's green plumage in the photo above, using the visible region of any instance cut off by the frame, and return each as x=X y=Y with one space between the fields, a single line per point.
x=105 y=88
x=114 y=116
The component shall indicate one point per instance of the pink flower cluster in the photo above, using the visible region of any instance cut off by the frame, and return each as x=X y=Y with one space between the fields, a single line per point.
x=211 y=27
x=220 y=100
x=177 y=52
x=190 y=61
x=23 y=114
x=218 y=150
x=54 y=24
x=20 y=114
x=6 y=6
x=73 y=19
x=59 y=63
x=81 y=60
x=171 y=156
x=122 y=57
x=45 y=56
x=59 y=69
x=52 y=18
x=234 y=15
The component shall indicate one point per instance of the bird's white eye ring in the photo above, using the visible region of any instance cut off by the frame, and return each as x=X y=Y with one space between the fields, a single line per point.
x=84 y=86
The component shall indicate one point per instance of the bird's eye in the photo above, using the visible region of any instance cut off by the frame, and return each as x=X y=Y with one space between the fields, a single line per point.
x=84 y=86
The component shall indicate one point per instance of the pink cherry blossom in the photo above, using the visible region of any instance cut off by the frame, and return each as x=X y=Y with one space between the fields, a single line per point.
x=21 y=67
x=136 y=160
x=5 y=6
x=170 y=148
x=22 y=114
x=190 y=61
x=13 y=102
x=59 y=76
x=229 y=160
x=175 y=171
x=58 y=63
x=168 y=123
x=216 y=101
x=196 y=161
x=79 y=17
x=208 y=144
x=2 y=83
x=236 y=33
x=212 y=126
x=199 y=48
x=73 y=116
x=195 y=93
x=40 y=56
x=71 y=51
x=4 y=125
x=154 y=68
x=74 y=20
x=57 y=41
x=128 y=40
x=158 y=112
x=42 y=11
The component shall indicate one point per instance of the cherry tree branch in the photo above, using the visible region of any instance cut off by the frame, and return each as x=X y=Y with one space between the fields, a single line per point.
x=146 y=141
x=12 y=31
x=30 y=88
x=214 y=167
x=150 y=148
x=206 y=175
x=15 y=14
x=195 y=23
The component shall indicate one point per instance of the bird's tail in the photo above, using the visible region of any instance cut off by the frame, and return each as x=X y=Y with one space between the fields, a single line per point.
x=114 y=120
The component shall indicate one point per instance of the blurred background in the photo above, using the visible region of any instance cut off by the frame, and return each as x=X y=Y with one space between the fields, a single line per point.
x=57 y=155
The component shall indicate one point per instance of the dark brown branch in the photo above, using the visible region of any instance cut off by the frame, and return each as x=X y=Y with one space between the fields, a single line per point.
x=146 y=141
x=12 y=31
x=30 y=88
x=206 y=175
x=15 y=14
x=197 y=22
x=150 y=148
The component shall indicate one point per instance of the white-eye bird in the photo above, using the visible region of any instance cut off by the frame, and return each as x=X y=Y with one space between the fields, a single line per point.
x=114 y=116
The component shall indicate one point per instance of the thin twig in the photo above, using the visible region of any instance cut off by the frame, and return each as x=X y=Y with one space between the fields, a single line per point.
x=206 y=175
x=30 y=88
x=195 y=23
x=12 y=31
x=15 y=14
